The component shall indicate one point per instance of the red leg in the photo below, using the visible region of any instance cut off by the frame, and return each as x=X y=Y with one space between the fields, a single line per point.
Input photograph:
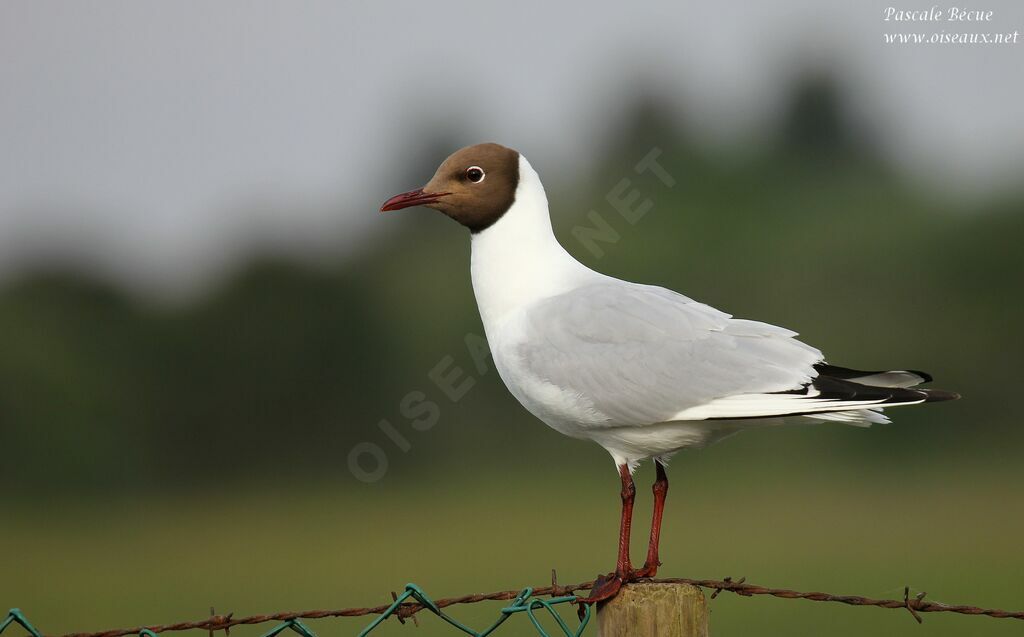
x=660 y=490
x=628 y=494
x=608 y=586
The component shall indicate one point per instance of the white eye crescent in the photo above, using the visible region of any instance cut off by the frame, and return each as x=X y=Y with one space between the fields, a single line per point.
x=475 y=174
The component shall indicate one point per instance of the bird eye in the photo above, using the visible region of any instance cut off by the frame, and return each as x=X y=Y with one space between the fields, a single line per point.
x=475 y=174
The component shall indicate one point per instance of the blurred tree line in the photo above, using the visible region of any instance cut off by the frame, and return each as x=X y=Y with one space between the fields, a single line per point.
x=280 y=370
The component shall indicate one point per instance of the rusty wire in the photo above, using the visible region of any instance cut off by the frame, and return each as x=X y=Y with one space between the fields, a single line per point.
x=914 y=604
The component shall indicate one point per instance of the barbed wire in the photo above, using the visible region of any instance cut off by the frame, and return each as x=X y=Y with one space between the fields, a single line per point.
x=525 y=600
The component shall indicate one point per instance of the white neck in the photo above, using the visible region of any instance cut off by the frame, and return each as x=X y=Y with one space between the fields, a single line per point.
x=517 y=261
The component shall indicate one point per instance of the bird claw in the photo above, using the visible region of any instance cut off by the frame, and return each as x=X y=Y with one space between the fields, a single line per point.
x=608 y=586
x=646 y=571
x=605 y=588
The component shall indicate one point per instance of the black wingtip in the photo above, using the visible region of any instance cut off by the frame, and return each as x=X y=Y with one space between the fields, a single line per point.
x=938 y=395
x=925 y=375
x=862 y=376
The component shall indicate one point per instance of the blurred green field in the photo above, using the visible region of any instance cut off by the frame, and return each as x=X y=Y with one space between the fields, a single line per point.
x=789 y=520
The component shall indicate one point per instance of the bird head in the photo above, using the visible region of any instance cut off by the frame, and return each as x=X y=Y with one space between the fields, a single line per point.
x=475 y=186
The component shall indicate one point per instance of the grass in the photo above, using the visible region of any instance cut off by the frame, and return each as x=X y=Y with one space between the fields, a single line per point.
x=91 y=564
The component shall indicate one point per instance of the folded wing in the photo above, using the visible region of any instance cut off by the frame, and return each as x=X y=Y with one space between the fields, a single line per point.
x=642 y=354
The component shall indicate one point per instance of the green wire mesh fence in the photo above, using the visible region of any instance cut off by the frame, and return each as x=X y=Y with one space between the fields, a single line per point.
x=14 y=616
x=524 y=603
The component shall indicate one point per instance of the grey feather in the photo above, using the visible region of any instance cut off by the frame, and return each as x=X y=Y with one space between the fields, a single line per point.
x=641 y=354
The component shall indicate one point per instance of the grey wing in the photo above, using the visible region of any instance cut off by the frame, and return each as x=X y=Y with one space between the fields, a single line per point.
x=642 y=354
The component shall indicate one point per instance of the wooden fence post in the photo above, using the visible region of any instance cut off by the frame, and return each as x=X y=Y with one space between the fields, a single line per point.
x=654 y=610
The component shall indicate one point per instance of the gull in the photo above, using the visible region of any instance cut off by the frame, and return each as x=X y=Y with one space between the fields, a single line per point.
x=641 y=370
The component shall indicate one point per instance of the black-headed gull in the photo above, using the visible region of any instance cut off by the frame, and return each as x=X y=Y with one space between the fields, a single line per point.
x=641 y=370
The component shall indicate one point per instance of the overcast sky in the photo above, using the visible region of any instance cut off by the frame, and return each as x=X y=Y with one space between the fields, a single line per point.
x=152 y=139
